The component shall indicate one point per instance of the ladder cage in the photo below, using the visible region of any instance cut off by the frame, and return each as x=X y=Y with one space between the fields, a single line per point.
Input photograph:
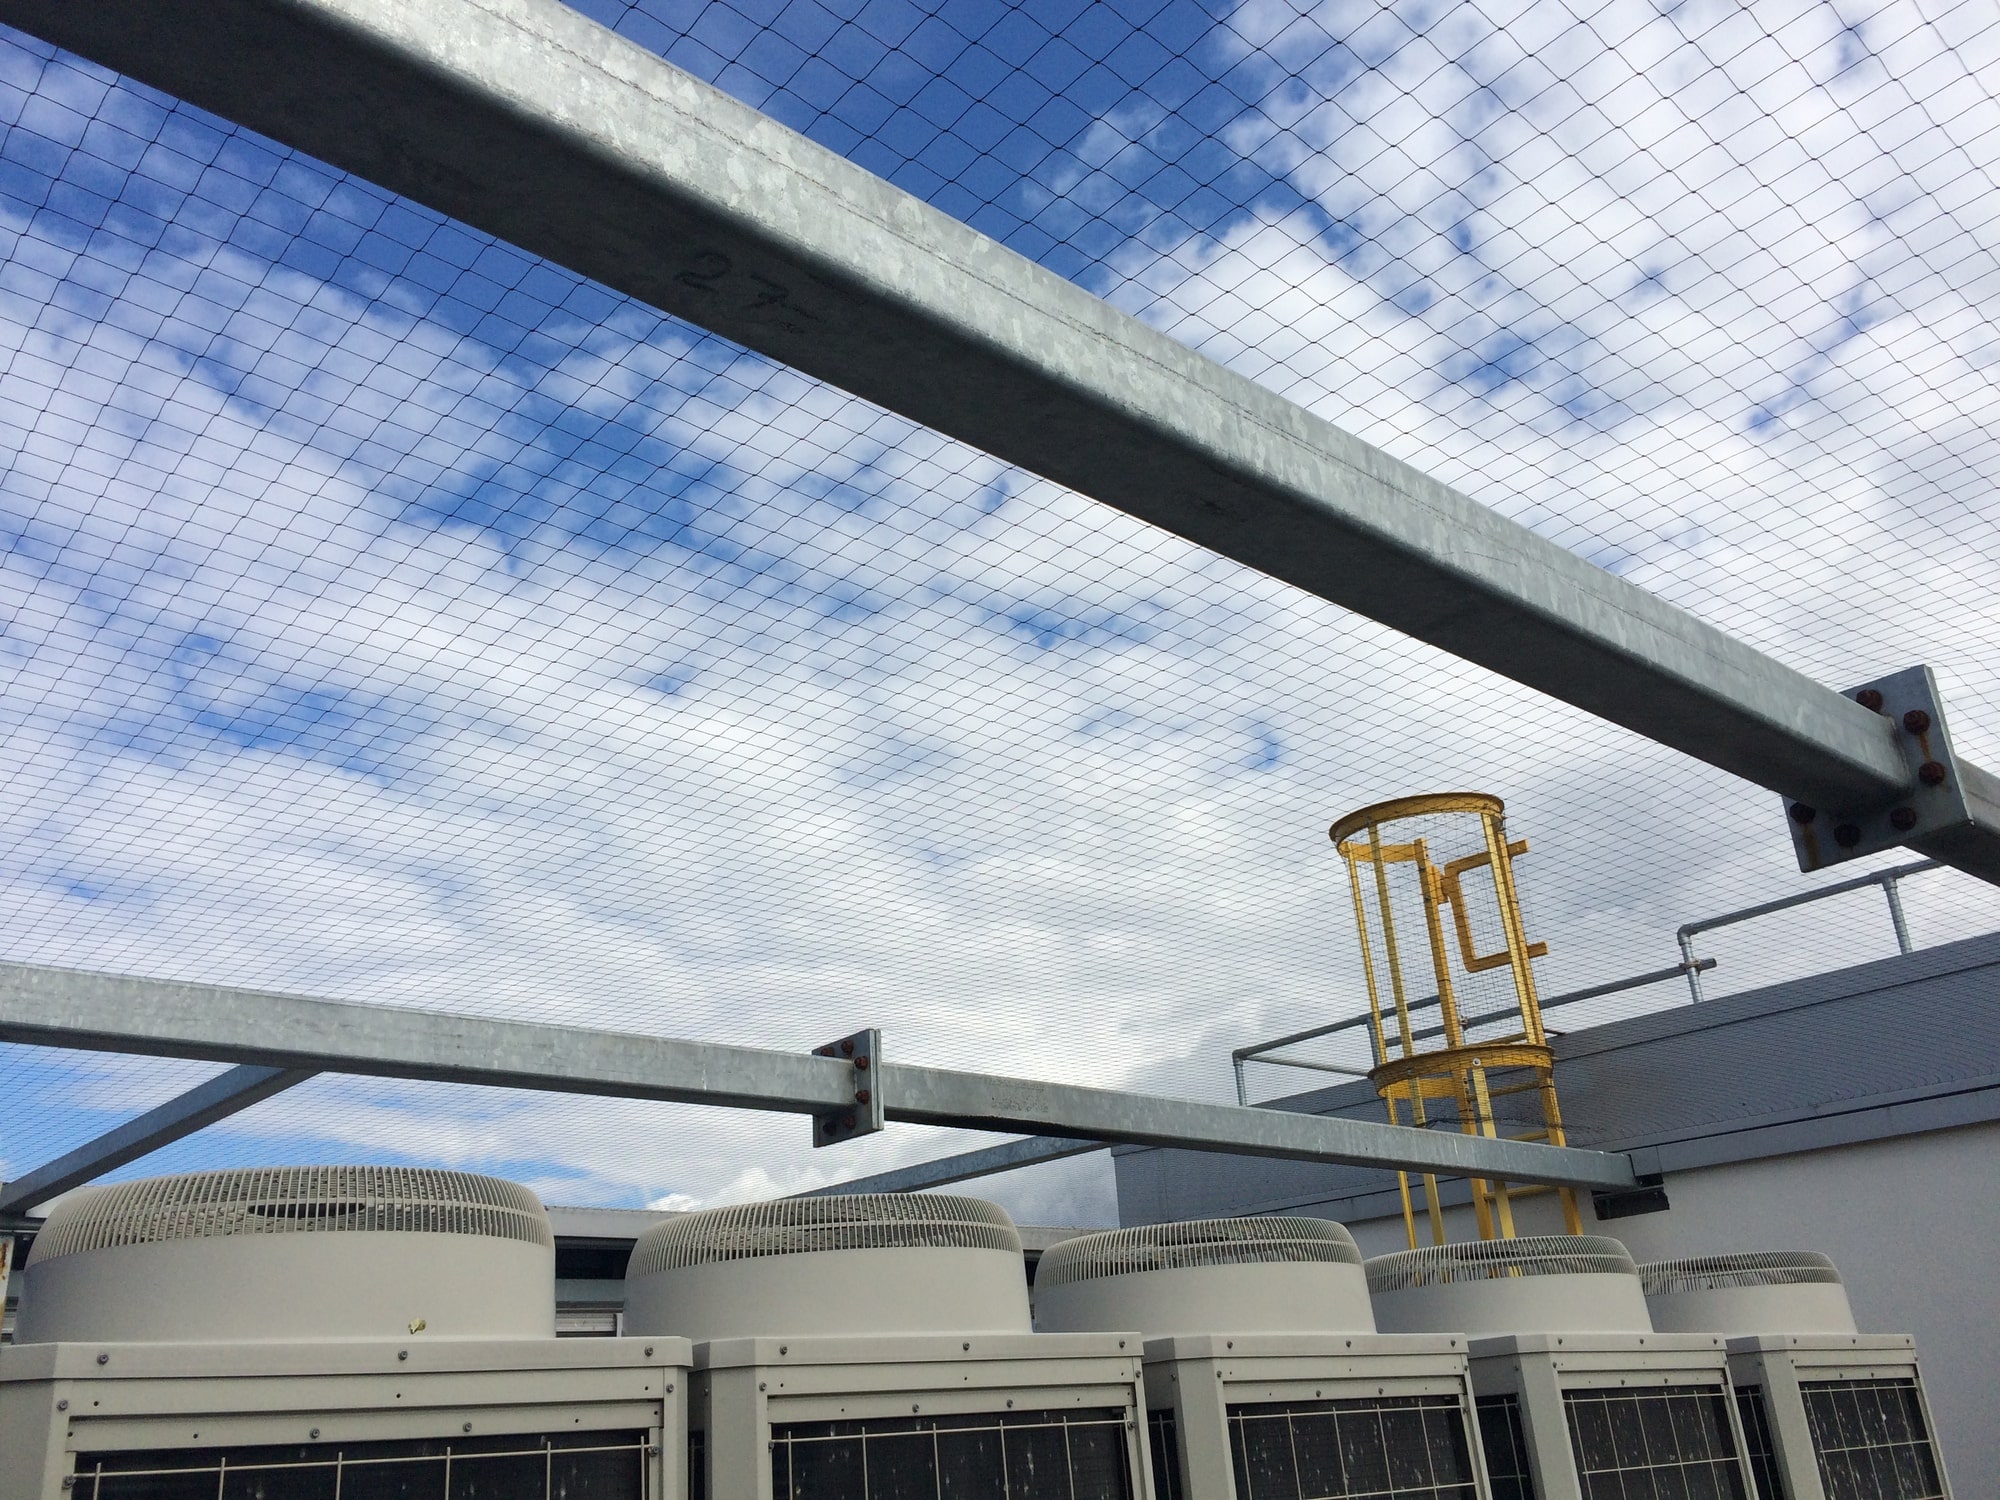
x=1455 y=1024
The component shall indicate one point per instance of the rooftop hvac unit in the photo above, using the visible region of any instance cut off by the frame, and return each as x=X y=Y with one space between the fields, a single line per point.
x=321 y=1332
x=1265 y=1378
x=291 y=1253
x=1827 y=1413
x=1577 y=1398
x=861 y=1348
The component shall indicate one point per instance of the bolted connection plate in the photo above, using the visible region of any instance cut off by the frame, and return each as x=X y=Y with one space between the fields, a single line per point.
x=1933 y=801
x=865 y=1115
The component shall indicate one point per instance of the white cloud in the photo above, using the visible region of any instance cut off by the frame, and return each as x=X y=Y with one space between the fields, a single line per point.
x=629 y=682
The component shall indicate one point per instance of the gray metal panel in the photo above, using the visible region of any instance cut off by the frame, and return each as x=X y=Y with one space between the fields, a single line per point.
x=1897 y=1046
x=216 y=1099
x=528 y=120
x=166 y=1018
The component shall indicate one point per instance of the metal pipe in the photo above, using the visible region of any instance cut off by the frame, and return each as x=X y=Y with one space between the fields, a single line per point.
x=1885 y=878
x=1895 y=895
x=1260 y=1051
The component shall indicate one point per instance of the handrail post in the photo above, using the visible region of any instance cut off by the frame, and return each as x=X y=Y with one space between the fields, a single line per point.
x=1895 y=895
x=1693 y=967
x=1242 y=1095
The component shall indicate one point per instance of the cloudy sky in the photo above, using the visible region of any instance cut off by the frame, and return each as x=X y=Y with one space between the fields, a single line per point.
x=390 y=615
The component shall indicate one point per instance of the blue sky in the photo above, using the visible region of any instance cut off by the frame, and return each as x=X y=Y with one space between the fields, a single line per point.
x=389 y=614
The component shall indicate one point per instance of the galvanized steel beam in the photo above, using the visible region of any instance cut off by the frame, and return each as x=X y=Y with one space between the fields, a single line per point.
x=216 y=1099
x=169 y=1018
x=943 y=1170
x=528 y=120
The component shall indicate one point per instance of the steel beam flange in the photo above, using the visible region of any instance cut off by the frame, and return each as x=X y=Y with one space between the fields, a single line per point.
x=866 y=1115
x=1934 y=801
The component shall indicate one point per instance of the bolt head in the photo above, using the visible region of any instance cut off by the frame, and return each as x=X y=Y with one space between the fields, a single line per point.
x=861 y=1096
x=314 y=1433
x=1931 y=773
x=1847 y=835
x=1916 y=721
x=104 y=1359
x=1903 y=819
x=861 y=1063
x=847 y=1049
x=1869 y=698
x=1801 y=814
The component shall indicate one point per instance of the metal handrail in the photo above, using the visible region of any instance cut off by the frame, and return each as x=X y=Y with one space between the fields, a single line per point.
x=1259 y=1051
x=1689 y=965
x=1885 y=878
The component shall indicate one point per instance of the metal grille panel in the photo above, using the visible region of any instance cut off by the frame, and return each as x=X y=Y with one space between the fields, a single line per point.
x=1196 y=1242
x=797 y=1226
x=1710 y=1273
x=1505 y=1446
x=564 y=1466
x=1344 y=1450
x=1871 y=1440
x=1757 y=1445
x=1164 y=1435
x=293 y=1200
x=1480 y=1260
x=1660 y=1444
x=1035 y=1455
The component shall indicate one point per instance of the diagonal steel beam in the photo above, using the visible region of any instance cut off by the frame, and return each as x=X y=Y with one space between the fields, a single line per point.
x=168 y=1018
x=528 y=120
x=204 y=1104
x=963 y=1167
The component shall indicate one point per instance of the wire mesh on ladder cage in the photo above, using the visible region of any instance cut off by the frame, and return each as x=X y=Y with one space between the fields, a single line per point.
x=1454 y=1022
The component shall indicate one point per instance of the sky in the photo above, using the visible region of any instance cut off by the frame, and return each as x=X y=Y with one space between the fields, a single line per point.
x=390 y=615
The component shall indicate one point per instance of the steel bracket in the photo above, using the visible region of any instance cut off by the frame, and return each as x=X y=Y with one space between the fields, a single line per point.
x=1932 y=802
x=866 y=1115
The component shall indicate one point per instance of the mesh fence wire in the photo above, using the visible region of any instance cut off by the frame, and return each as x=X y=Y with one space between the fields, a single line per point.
x=389 y=614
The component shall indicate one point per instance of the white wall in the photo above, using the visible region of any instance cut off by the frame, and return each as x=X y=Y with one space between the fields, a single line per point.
x=1913 y=1223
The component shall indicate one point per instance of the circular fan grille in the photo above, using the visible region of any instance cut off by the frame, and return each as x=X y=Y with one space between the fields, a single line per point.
x=1198 y=1242
x=1713 y=1273
x=293 y=1200
x=797 y=1226
x=1483 y=1260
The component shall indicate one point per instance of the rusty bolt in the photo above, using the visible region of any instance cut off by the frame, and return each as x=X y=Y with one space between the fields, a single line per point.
x=1930 y=773
x=1903 y=819
x=1916 y=721
x=847 y=1049
x=847 y=1122
x=1803 y=814
x=861 y=1063
x=1847 y=835
x=861 y=1096
x=1869 y=698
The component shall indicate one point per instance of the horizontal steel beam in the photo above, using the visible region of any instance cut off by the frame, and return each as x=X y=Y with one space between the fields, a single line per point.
x=170 y=1018
x=217 y=1099
x=944 y=1170
x=528 y=120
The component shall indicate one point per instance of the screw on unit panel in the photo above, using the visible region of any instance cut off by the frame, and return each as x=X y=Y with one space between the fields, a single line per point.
x=1869 y=698
x=1930 y=773
x=1903 y=819
x=1916 y=721
x=314 y=1433
x=63 y=1405
x=1847 y=835
x=402 y=1354
x=104 y=1359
